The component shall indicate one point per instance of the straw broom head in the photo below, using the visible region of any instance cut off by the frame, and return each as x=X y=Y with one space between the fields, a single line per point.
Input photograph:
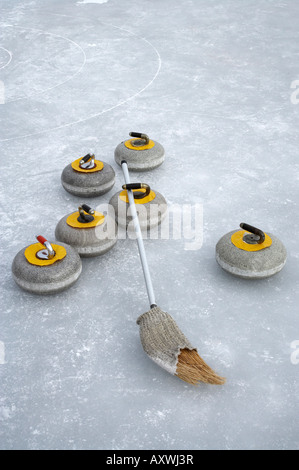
x=166 y=345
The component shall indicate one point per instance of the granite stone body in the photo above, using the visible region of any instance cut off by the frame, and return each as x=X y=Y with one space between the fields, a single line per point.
x=47 y=279
x=140 y=160
x=250 y=264
x=88 y=184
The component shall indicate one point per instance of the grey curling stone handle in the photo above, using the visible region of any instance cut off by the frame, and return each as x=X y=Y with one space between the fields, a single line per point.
x=87 y=162
x=86 y=158
x=139 y=195
x=140 y=136
x=255 y=231
x=87 y=209
x=86 y=214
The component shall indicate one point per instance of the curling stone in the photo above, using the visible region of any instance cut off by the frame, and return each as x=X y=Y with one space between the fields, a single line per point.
x=151 y=206
x=140 y=153
x=88 y=177
x=46 y=268
x=89 y=232
x=250 y=253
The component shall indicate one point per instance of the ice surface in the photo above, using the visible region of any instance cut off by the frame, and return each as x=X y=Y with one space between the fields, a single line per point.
x=211 y=81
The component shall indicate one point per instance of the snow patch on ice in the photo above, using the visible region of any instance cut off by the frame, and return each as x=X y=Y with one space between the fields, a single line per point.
x=154 y=417
x=93 y=1
x=6 y=412
x=2 y=353
x=90 y=138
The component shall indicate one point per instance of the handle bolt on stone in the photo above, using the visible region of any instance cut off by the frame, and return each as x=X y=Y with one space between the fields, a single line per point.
x=86 y=214
x=142 y=139
x=87 y=162
x=259 y=236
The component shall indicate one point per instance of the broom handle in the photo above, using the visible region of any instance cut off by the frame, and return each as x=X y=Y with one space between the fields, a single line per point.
x=146 y=273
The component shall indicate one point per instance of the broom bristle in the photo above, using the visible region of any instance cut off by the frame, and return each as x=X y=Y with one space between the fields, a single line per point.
x=192 y=369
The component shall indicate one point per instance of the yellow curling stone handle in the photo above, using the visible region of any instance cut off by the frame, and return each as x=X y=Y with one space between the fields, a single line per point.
x=72 y=220
x=32 y=250
x=237 y=240
x=98 y=166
